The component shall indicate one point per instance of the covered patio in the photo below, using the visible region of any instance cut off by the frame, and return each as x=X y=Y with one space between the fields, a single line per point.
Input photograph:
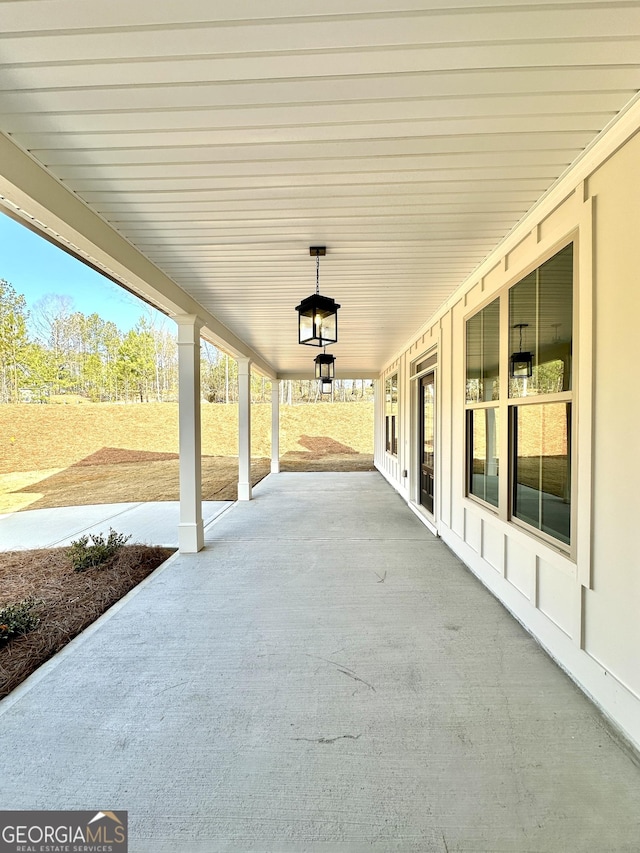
x=315 y=667
x=318 y=680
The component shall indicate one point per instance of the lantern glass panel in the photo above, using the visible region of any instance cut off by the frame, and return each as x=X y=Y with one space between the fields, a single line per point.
x=327 y=327
x=306 y=326
x=317 y=321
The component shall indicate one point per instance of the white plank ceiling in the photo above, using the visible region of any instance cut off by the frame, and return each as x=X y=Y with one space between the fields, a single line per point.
x=224 y=138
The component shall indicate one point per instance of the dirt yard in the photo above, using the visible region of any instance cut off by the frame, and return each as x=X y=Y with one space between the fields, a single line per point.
x=66 y=455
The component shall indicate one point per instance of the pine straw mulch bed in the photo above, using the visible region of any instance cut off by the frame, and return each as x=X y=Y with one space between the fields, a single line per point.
x=71 y=601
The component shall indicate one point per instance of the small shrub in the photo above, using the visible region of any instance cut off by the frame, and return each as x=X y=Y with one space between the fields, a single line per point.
x=94 y=550
x=16 y=619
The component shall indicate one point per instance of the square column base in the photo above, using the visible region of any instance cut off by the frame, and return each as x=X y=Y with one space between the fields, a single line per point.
x=275 y=466
x=191 y=537
x=244 y=491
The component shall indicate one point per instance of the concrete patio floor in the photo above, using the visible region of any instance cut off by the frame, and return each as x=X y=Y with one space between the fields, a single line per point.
x=325 y=676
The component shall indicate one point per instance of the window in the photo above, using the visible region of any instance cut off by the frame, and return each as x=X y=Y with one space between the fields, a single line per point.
x=541 y=468
x=482 y=430
x=483 y=394
x=483 y=355
x=541 y=312
x=391 y=413
x=530 y=392
x=425 y=364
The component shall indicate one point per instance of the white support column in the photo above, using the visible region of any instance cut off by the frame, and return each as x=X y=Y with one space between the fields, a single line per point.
x=378 y=422
x=190 y=529
x=244 y=429
x=275 y=427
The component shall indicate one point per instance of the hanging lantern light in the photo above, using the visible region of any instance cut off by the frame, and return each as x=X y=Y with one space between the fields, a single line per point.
x=317 y=315
x=325 y=386
x=521 y=363
x=325 y=366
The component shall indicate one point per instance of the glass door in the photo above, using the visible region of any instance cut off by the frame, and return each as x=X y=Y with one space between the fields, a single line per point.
x=427 y=440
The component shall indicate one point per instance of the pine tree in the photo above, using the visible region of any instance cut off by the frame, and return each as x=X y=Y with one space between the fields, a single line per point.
x=13 y=342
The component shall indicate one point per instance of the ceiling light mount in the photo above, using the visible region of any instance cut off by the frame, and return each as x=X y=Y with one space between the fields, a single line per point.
x=317 y=315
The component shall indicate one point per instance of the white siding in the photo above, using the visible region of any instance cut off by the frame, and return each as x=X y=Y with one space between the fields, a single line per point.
x=555 y=595
x=612 y=617
x=583 y=608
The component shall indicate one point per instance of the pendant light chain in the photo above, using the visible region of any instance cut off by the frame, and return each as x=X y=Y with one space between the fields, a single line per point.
x=317 y=315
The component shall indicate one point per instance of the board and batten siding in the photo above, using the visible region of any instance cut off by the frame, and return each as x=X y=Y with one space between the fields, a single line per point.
x=583 y=608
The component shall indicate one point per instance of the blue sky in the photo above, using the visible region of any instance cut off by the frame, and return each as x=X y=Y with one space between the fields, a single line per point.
x=36 y=268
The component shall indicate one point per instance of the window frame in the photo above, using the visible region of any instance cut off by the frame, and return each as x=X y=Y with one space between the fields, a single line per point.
x=506 y=406
x=564 y=397
x=469 y=458
x=493 y=403
x=391 y=412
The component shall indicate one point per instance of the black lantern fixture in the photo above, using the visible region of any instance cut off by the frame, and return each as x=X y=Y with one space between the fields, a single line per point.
x=521 y=363
x=325 y=366
x=325 y=386
x=317 y=315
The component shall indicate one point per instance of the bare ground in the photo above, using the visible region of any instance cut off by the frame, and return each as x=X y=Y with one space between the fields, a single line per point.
x=104 y=453
x=130 y=481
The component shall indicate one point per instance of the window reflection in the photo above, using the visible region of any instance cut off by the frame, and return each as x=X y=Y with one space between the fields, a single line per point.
x=542 y=475
x=428 y=425
x=483 y=354
x=484 y=439
x=540 y=322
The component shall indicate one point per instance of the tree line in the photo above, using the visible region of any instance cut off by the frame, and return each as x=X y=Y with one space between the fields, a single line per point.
x=53 y=350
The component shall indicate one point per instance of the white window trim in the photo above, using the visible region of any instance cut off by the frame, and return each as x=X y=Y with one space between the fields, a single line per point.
x=577 y=559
